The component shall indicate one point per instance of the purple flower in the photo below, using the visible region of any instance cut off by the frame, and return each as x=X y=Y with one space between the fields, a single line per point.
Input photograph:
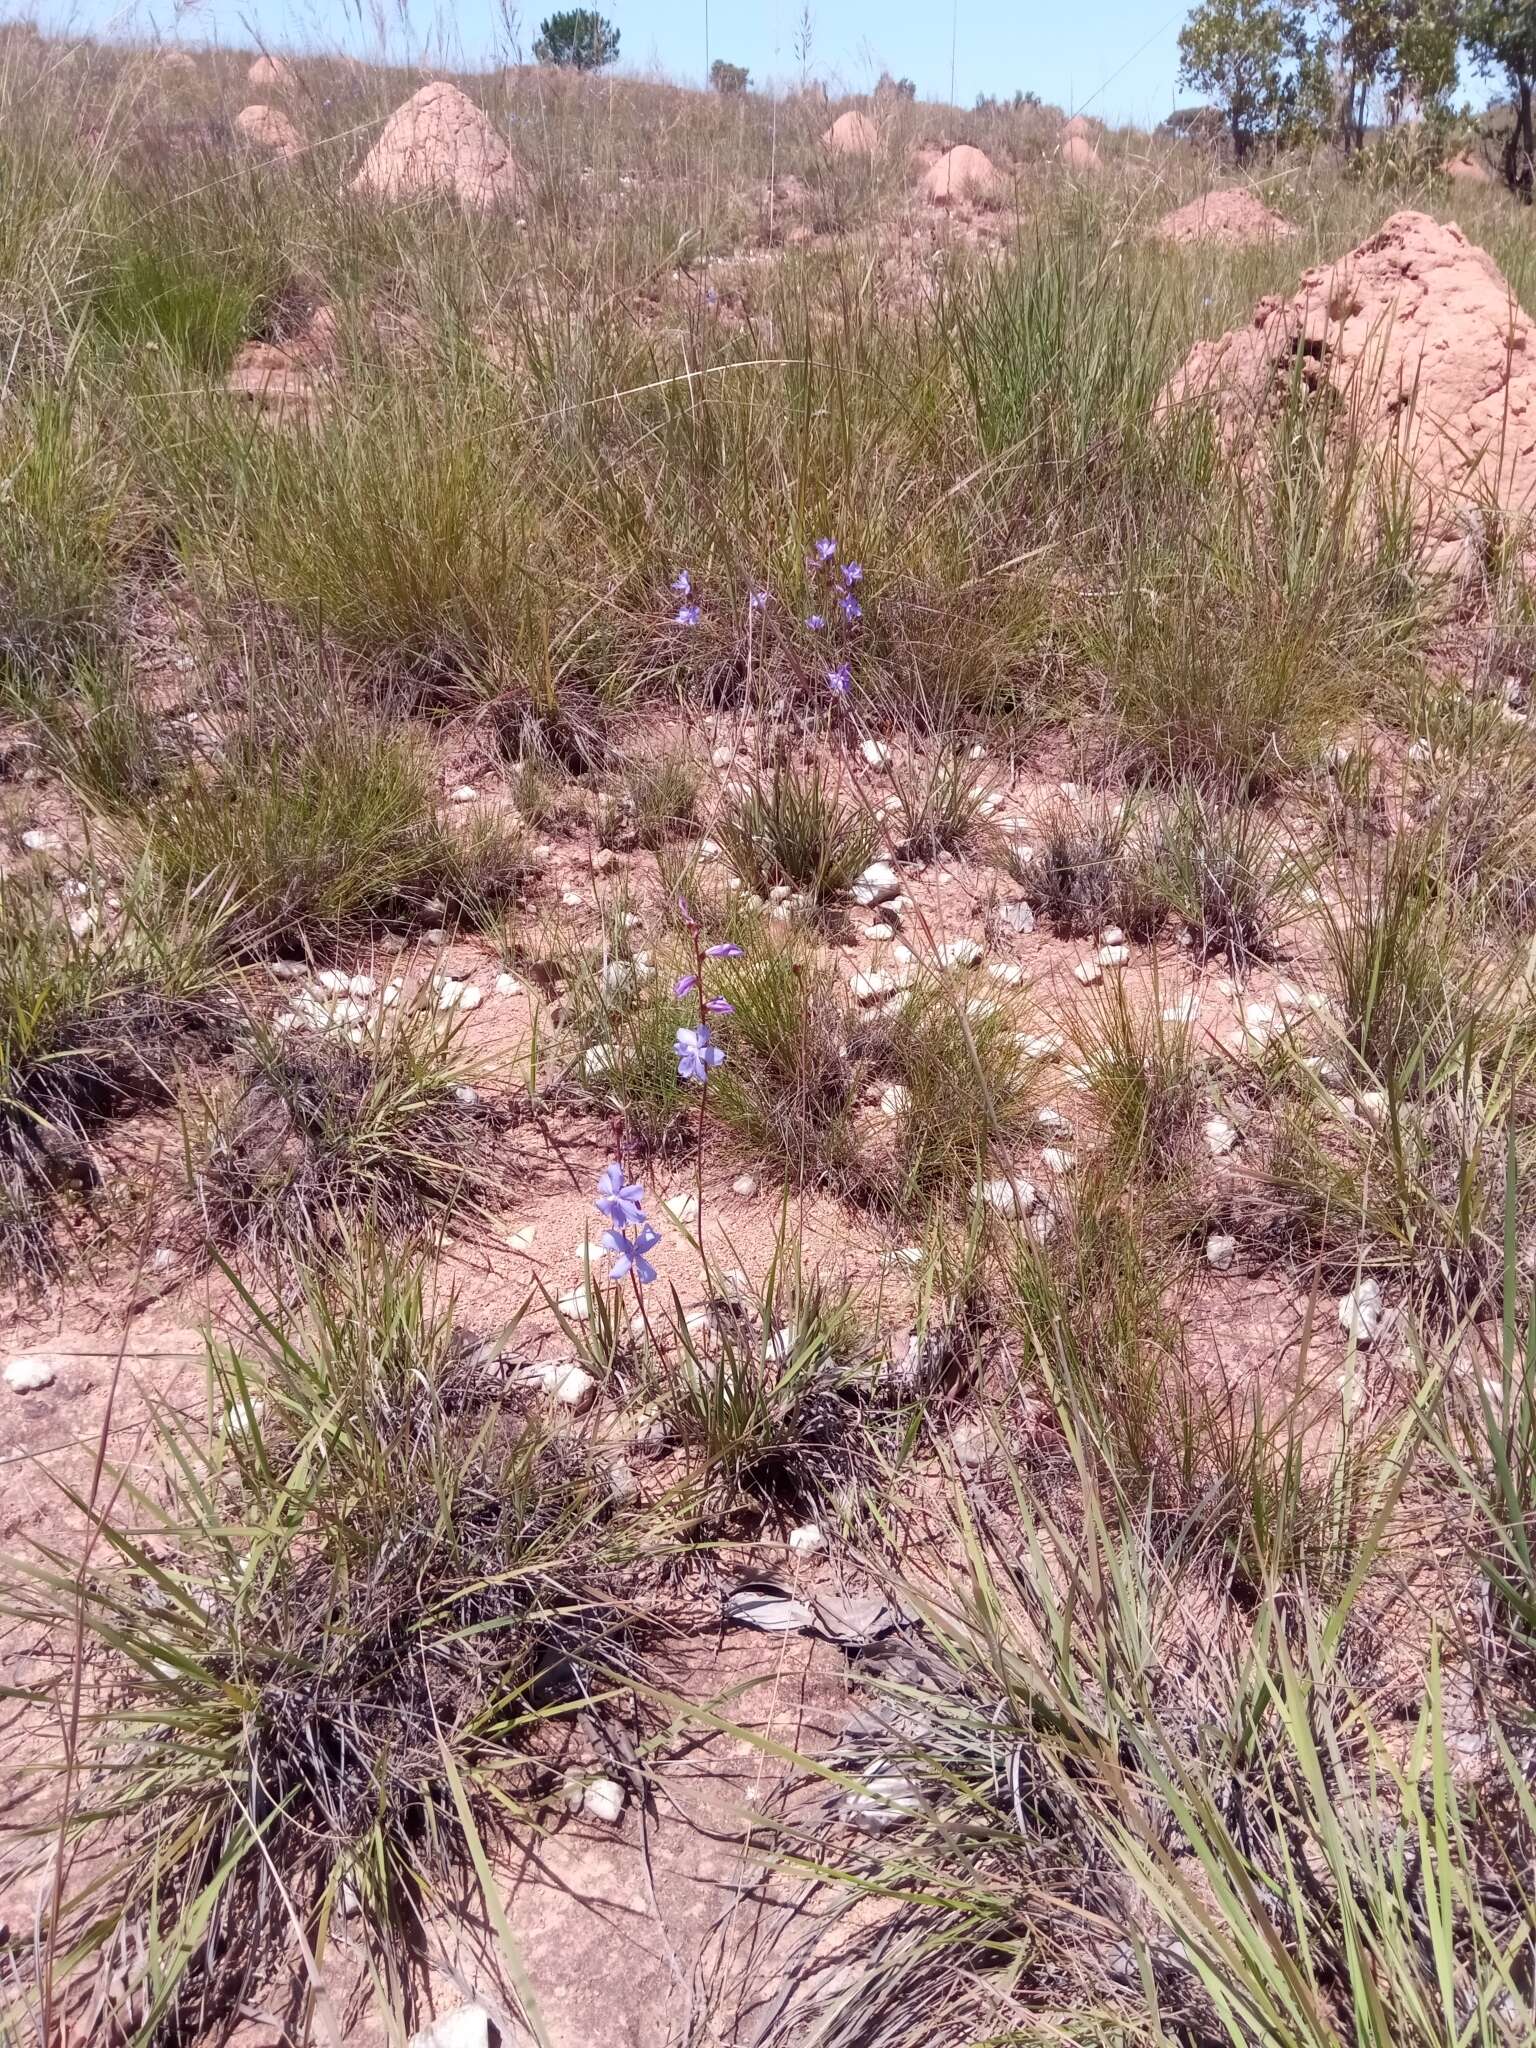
x=725 y=952
x=840 y=679
x=696 y=1052
x=719 y=1007
x=824 y=550
x=629 y=1253
x=758 y=601
x=815 y=623
x=682 y=583
x=686 y=914
x=850 y=607
x=619 y=1201
x=853 y=572
x=685 y=985
x=687 y=615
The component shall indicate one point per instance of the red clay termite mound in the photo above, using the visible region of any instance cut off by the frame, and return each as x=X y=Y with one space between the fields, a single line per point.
x=1416 y=343
x=1231 y=219
x=439 y=142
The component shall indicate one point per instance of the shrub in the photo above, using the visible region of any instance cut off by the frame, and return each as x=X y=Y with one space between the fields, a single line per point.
x=318 y=823
x=792 y=829
x=325 y=1650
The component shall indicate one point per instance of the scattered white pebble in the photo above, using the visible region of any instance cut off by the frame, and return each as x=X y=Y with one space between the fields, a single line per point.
x=876 y=753
x=1008 y=972
x=603 y=1800
x=681 y=1208
x=83 y=922
x=575 y=1305
x=1040 y=1045
x=572 y=898
x=1111 y=936
x=964 y=952
x=1088 y=972
x=1018 y=917
x=1052 y=1120
x=877 y=934
x=744 y=1185
x=878 y=884
x=1057 y=1160
x=1373 y=1107
x=522 y=1240
x=508 y=985
x=1116 y=955
x=466 y=793
x=289 y=970
x=871 y=987
x=894 y=1101
x=1360 y=1313
x=1220 y=1135
x=1005 y=1197
x=30 y=1371
x=38 y=839
x=723 y=757
x=806 y=1540
x=1220 y=1252
x=1183 y=1010
x=709 y=849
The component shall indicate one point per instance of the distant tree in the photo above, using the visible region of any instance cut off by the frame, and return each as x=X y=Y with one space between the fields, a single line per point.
x=1502 y=36
x=1423 y=68
x=728 y=77
x=578 y=37
x=1407 y=48
x=1253 y=58
x=888 y=88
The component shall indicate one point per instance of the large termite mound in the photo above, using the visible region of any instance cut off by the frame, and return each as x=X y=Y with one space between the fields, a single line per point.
x=852 y=134
x=1230 y=218
x=439 y=142
x=1414 y=340
x=962 y=173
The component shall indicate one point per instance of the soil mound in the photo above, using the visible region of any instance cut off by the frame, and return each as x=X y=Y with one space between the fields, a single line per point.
x=269 y=128
x=439 y=141
x=270 y=74
x=1416 y=339
x=1079 y=154
x=1468 y=169
x=1079 y=125
x=962 y=173
x=852 y=134
x=1231 y=218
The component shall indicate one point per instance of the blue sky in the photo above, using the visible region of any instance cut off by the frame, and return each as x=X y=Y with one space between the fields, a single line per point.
x=1118 y=57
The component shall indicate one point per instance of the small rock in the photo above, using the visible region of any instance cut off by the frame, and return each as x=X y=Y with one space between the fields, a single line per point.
x=508 y=985
x=37 y=839
x=894 y=1101
x=469 y=2027
x=871 y=987
x=876 y=753
x=575 y=1305
x=709 y=849
x=603 y=860
x=885 y=1802
x=1115 y=955
x=1053 y=1120
x=288 y=970
x=522 y=1240
x=1360 y=1313
x=1373 y=1107
x=1055 y=1160
x=30 y=1371
x=623 y=1486
x=744 y=1185
x=1005 y=1197
x=723 y=757
x=681 y=1208
x=83 y=922
x=1040 y=1045
x=1088 y=972
x=1008 y=972
x=878 y=884
x=968 y=1441
x=597 y=1060
x=603 y=1800
x=1111 y=936
x=1220 y=1135
x=1220 y=1252
x=1018 y=917
x=1183 y=1009
x=466 y=793
x=806 y=1540
x=877 y=934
